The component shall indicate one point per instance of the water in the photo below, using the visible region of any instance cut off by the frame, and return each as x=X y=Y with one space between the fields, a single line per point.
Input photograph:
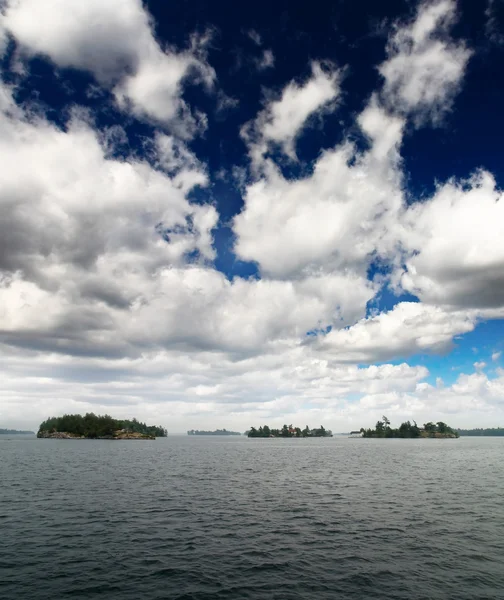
x=206 y=518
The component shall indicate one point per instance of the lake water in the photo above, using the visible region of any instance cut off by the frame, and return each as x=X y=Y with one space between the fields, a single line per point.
x=207 y=518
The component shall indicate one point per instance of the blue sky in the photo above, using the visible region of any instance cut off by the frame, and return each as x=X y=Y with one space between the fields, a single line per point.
x=221 y=215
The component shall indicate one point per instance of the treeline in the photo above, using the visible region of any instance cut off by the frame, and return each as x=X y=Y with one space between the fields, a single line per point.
x=288 y=431
x=216 y=432
x=409 y=430
x=490 y=431
x=93 y=426
x=14 y=432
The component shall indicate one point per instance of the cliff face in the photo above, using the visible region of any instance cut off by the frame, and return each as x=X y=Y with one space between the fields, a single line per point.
x=118 y=435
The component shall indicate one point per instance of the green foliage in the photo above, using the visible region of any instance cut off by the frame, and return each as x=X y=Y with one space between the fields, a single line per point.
x=216 y=432
x=288 y=431
x=490 y=431
x=93 y=426
x=408 y=430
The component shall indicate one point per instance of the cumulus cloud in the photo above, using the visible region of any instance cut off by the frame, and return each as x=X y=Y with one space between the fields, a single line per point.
x=93 y=255
x=114 y=41
x=424 y=67
x=294 y=226
x=178 y=389
x=81 y=235
x=409 y=328
x=283 y=119
x=109 y=298
x=470 y=401
x=496 y=356
x=454 y=239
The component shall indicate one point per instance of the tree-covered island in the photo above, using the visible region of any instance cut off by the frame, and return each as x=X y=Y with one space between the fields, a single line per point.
x=15 y=432
x=410 y=430
x=481 y=432
x=91 y=426
x=288 y=431
x=216 y=432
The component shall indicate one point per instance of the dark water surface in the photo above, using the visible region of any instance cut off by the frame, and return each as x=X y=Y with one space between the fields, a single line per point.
x=208 y=518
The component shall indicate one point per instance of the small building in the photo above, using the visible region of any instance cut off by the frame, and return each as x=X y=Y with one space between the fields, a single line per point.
x=355 y=434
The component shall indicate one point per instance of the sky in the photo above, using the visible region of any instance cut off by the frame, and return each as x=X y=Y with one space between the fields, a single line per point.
x=218 y=214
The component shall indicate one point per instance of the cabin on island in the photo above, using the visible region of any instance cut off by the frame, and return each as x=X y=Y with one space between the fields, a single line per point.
x=355 y=434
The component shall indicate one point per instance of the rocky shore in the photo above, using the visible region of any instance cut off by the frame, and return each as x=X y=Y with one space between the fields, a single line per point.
x=120 y=435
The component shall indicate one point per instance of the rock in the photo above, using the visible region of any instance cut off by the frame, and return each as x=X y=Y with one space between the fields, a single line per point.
x=118 y=435
x=58 y=435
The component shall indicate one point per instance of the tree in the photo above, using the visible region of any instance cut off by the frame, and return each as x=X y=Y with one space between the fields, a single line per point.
x=380 y=429
x=430 y=427
x=285 y=431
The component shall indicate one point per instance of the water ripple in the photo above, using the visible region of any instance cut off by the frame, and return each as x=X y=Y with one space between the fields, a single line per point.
x=227 y=518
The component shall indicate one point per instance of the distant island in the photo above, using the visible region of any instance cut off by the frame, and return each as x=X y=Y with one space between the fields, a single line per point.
x=216 y=432
x=409 y=430
x=91 y=426
x=288 y=431
x=15 y=432
x=491 y=431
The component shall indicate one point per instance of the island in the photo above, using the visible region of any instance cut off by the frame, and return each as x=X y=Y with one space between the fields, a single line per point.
x=409 y=430
x=91 y=426
x=488 y=432
x=288 y=431
x=216 y=432
x=15 y=432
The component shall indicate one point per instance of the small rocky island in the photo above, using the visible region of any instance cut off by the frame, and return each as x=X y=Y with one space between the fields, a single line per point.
x=288 y=431
x=216 y=432
x=410 y=430
x=91 y=426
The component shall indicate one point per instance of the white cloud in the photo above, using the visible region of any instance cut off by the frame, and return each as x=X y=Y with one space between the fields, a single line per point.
x=472 y=401
x=455 y=241
x=283 y=119
x=496 y=356
x=267 y=60
x=409 y=328
x=114 y=41
x=183 y=390
x=93 y=255
x=102 y=309
x=424 y=68
x=82 y=235
x=335 y=219
x=493 y=13
x=255 y=36
x=479 y=366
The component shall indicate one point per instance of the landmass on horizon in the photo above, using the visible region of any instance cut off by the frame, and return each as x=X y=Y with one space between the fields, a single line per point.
x=288 y=431
x=480 y=432
x=101 y=427
x=409 y=430
x=15 y=432
x=216 y=432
